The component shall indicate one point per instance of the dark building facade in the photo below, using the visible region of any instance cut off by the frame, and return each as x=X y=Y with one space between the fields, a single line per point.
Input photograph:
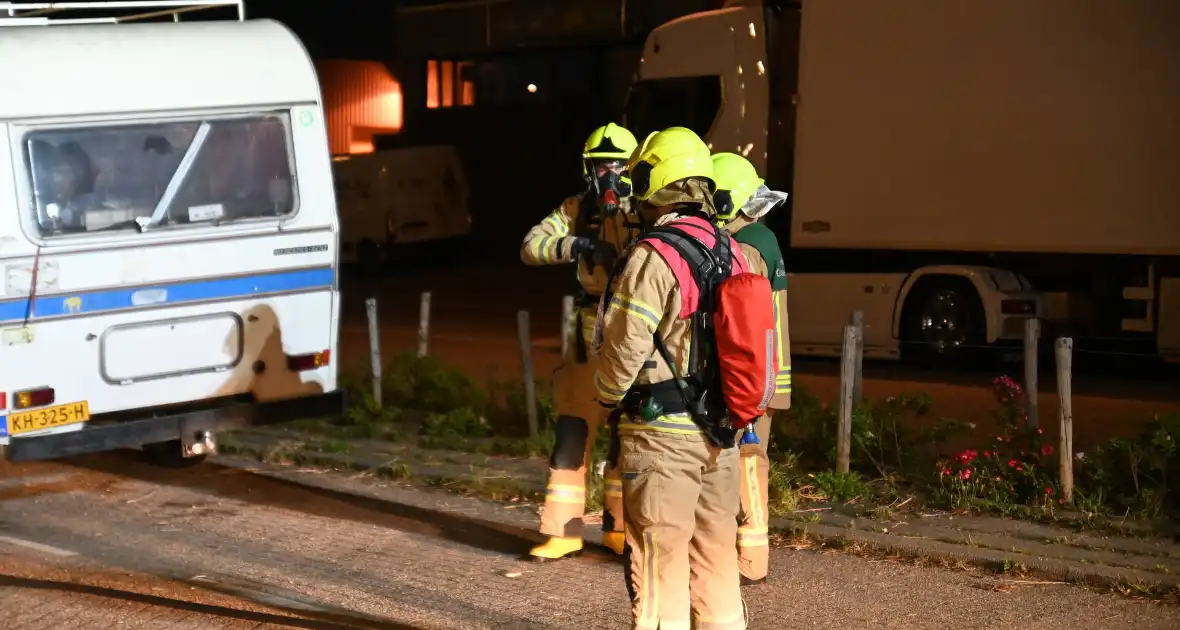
x=517 y=85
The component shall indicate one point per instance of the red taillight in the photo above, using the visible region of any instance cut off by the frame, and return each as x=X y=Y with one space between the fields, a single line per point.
x=3 y=400
x=1018 y=307
x=304 y=362
x=33 y=398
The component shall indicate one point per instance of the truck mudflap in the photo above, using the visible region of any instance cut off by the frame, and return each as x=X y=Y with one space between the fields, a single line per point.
x=194 y=429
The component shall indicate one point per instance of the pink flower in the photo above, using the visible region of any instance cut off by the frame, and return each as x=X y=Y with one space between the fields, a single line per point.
x=944 y=472
x=1013 y=463
x=1006 y=387
x=1047 y=450
x=1048 y=492
x=1040 y=431
x=997 y=477
x=966 y=474
x=987 y=453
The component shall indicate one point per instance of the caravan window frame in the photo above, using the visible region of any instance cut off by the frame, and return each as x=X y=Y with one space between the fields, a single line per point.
x=23 y=133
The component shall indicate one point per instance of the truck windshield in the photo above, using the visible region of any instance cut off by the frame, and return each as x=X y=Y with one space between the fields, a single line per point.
x=136 y=177
x=656 y=104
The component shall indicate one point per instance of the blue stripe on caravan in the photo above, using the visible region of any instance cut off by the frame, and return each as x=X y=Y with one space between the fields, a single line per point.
x=145 y=296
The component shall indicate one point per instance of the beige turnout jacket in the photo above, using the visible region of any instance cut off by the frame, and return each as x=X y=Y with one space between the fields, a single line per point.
x=549 y=242
x=646 y=298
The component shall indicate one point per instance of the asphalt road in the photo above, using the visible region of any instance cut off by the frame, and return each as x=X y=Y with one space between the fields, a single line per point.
x=108 y=541
x=69 y=592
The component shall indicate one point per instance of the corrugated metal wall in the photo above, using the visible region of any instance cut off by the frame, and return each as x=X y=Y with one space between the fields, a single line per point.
x=361 y=98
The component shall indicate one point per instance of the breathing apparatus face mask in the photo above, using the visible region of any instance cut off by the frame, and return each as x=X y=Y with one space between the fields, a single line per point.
x=605 y=179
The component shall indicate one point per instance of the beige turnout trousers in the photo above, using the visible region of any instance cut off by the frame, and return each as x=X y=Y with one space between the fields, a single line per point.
x=753 y=520
x=681 y=504
x=579 y=417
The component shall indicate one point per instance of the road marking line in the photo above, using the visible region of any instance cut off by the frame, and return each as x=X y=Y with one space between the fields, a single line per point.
x=38 y=546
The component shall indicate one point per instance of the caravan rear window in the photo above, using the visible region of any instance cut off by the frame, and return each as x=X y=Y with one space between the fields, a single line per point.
x=149 y=176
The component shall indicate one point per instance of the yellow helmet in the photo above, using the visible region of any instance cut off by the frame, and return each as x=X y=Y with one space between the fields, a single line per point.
x=666 y=157
x=736 y=181
x=608 y=142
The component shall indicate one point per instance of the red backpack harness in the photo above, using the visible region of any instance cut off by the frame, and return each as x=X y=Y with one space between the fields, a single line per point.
x=732 y=360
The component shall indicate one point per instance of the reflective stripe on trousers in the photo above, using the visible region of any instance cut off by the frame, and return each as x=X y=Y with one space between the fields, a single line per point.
x=565 y=495
x=558 y=493
x=753 y=538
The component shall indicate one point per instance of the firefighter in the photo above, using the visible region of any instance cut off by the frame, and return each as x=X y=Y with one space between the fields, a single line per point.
x=680 y=490
x=742 y=199
x=589 y=229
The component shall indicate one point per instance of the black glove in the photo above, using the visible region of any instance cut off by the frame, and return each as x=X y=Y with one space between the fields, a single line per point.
x=605 y=255
x=582 y=246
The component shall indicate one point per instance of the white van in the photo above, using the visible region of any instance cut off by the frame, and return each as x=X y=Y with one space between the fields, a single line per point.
x=395 y=200
x=168 y=237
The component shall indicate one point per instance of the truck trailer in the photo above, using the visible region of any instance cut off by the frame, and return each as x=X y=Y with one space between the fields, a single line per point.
x=955 y=167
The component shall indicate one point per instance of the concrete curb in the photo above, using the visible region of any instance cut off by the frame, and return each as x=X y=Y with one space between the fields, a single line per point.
x=375 y=464
x=242 y=459
x=1043 y=567
x=1047 y=568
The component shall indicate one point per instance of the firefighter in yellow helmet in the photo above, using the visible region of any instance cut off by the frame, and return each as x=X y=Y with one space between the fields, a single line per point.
x=742 y=198
x=589 y=229
x=680 y=488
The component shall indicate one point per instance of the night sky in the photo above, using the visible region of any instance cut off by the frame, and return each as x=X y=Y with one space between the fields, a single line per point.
x=349 y=29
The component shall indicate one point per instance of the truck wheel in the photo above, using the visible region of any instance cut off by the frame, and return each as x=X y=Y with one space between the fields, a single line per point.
x=368 y=257
x=943 y=323
x=168 y=455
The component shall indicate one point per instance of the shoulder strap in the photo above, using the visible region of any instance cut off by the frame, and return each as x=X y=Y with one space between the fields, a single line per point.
x=700 y=258
x=703 y=265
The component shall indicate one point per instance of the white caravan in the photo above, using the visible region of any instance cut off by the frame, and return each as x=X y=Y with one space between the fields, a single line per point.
x=947 y=157
x=168 y=236
x=395 y=200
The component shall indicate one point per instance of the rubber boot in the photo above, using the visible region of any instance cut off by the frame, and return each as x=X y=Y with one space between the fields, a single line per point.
x=615 y=541
x=557 y=548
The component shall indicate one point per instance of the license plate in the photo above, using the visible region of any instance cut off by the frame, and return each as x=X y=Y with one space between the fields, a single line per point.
x=48 y=417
